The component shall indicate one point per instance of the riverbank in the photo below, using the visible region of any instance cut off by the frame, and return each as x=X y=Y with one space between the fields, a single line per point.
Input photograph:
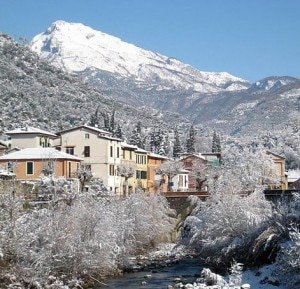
x=170 y=266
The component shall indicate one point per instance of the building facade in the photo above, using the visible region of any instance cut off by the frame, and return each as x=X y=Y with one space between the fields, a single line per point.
x=32 y=163
x=100 y=151
x=30 y=137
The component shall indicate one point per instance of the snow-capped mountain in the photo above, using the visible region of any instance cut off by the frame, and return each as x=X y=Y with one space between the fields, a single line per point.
x=80 y=49
x=146 y=80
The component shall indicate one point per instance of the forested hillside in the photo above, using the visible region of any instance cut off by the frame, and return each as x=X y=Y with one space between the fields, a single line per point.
x=36 y=93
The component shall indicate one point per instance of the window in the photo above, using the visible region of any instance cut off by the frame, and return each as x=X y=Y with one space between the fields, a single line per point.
x=111 y=170
x=111 y=151
x=69 y=169
x=141 y=175
x=70 y=150
x=130 y=155
x=141 y=159
x=118 y=152
x=87 y=136
x=10 y=167
x=29 y=168
x=86 y=151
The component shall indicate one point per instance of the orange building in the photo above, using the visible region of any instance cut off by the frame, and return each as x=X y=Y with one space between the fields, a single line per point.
x=155 y=181
x=31 y=163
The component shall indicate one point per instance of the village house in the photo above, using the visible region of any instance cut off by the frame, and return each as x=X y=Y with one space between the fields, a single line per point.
x=128 y=169
x=32 y=163
x=293 y=179
x=30 y=137
x=141 y=168
x=180 y=182
x=156 y=181
x=279 y=162
x=213 y=159
x=100 y=151
x=196 y=165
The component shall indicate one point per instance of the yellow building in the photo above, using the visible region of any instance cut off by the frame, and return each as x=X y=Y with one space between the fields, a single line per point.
x=141 y=169
x=127 y=169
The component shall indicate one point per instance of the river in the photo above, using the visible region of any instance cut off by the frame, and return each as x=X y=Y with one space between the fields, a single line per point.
x=188 y=270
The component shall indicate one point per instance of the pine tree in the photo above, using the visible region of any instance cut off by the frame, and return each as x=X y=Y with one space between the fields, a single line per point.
x=106 y=121
x=118 y=133
x=94 y=119
x=112 y=121
x=177 y=149
x=216 y=143
x=156 y=140
x=190 y=142
x=136 y=137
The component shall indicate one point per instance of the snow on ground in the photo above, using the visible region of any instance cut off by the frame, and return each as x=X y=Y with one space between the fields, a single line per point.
x=255 y=278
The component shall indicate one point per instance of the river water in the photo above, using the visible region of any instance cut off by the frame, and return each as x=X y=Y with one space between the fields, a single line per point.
x=188 y=270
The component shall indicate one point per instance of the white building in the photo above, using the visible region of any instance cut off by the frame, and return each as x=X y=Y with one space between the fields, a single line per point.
x=101 y=152
x=30 y=137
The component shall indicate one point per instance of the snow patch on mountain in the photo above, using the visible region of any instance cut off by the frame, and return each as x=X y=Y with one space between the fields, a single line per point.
x=76 y=48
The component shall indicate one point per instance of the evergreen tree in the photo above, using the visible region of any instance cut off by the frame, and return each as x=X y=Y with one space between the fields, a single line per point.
x=112 y=121
x=136 y=137
x=216 y=143
x=94 y=119
x=177 y=149
x=118 y=133
x=190 y=142
x=106 y=121
x=156 y=140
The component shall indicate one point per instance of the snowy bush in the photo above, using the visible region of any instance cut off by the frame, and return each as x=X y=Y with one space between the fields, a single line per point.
x=236 y=212
x=91 y=236
x=289 y=260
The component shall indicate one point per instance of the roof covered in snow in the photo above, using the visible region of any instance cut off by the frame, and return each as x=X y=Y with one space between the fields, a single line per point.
x=293 y=175
x=39 y=153
x=101 y=133
x=30 y=130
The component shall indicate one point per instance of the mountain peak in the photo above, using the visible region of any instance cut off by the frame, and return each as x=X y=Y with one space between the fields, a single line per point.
x=75 y=48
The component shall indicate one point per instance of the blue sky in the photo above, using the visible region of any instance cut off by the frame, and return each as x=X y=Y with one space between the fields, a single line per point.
x=251 y=39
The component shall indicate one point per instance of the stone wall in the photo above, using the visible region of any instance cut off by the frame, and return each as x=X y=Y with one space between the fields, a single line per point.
x=21 y=188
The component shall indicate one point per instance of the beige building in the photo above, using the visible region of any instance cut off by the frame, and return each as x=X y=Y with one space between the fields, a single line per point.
x=100 y=151
x=30 y=137
x=279 y=162
x=32 y=163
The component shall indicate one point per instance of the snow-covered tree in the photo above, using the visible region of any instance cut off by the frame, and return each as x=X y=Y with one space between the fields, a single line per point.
x=199 y=173
x=236 y=210
x=112 y=121
x=170 y=169
x=127 y=172
x=177 y=148
x=84 y=174
x=216 y=143
x=136 y=136
x=94 y=119
x=156 y=138
x=118 y=132
x=95 y=234
x=190 y=142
